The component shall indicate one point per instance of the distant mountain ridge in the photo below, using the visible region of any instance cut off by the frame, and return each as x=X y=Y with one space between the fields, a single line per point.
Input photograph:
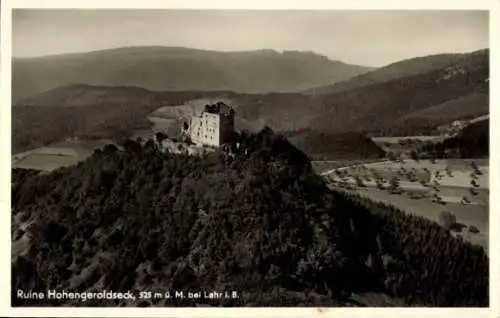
x=180 y=69
x=404 y=68
x=376 y=107
x=394 y=107
x=411 y=105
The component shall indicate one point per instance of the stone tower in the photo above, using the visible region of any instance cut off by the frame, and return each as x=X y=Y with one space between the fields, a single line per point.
x=214 y=127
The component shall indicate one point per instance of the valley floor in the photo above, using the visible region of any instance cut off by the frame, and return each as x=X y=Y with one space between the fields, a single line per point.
x=418 y=199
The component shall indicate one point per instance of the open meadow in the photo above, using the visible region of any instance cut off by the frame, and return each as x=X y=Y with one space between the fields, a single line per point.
x=399 y=144
x=468 y=216
x=57 y=155
x=397 y=139
x=425 y=188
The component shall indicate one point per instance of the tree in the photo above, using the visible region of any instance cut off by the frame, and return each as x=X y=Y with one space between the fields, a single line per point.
x=475 y=168
x=160 y=137
x=474 y=165
x=414 y=155
x=411 y=177
x=447 y=219
x=449 y=172
x=437 y=199
x=394 y=185
x=131 y=146
x=473 y=229
x=380 y=184
x=109 y=148
x=359 y=182
x=473 y=191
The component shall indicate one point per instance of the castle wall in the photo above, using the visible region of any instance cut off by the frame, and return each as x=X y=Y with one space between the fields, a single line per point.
x=211 y=127
x=195 y=130
x=205 y=129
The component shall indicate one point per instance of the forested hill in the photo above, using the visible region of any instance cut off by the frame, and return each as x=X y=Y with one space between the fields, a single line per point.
x=408 y=105
x=180 y=69
x=93 y=112
x=255 y=220
x=404 y=68
x=321 y=146
x=472 y=142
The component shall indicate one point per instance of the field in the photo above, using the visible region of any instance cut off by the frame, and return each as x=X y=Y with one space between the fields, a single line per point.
x=403 y=144
x=322 y=166
x=425 y=189
x=468 y=215
x=396 y=139
x=458 y=175
x=61 y=154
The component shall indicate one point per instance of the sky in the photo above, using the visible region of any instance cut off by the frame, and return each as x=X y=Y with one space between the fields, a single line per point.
x=371 y=38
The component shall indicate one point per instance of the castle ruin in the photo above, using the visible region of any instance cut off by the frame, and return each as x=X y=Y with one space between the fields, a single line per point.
x=214 y=127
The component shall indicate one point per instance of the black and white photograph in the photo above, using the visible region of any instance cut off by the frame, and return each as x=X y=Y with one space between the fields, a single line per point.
x=250 y=158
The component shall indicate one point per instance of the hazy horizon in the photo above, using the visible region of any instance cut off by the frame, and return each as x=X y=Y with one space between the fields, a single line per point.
x=221 y=51
x=369 y=38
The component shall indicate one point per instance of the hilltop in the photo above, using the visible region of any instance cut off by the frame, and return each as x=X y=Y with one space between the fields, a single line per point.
x=471 y=142
x=180 y=69
x=256 y=220
x=394 y=107
x=461 y=108
x=399 y=69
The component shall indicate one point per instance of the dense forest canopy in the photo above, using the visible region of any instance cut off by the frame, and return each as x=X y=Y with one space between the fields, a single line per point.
x=472 y=142
x=252 y=218
x=324 y=146
x=90 y=112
